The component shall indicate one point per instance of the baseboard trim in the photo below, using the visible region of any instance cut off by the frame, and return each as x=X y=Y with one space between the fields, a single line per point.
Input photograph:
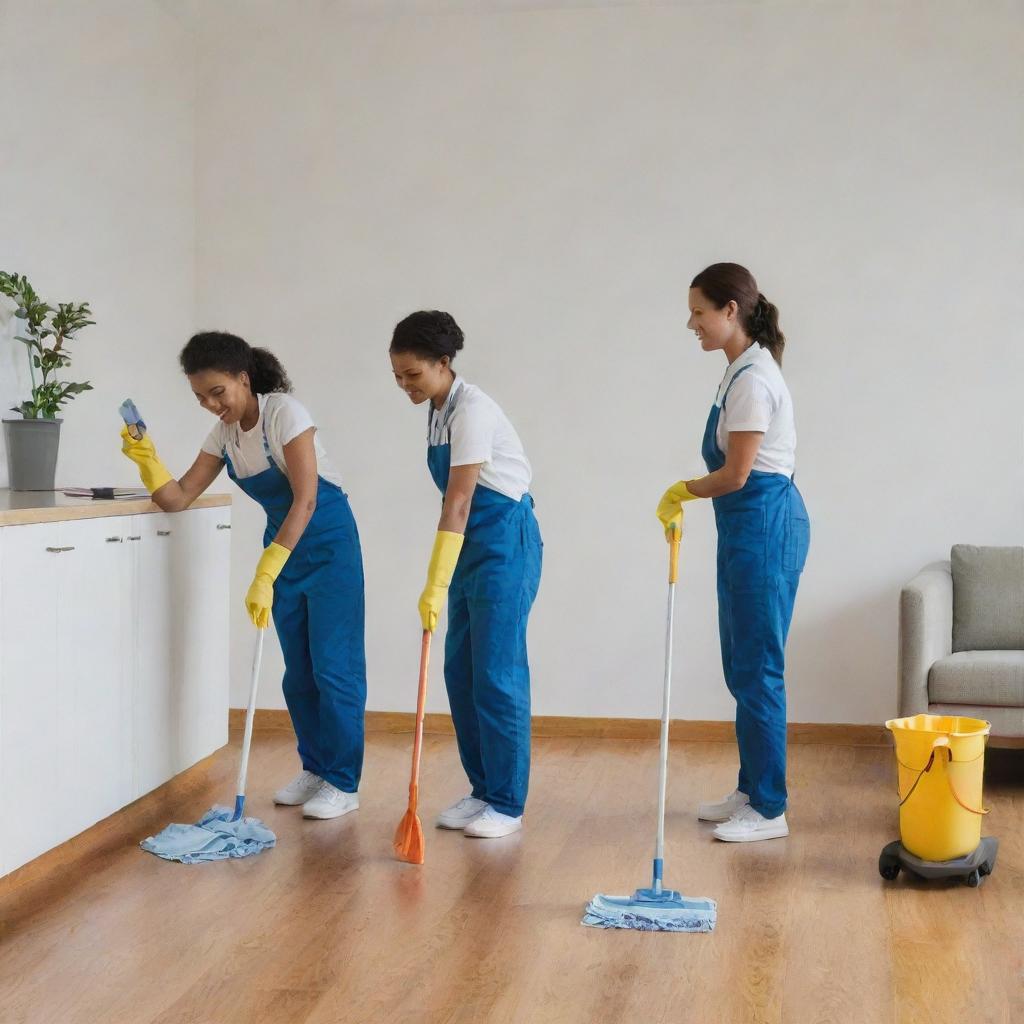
x=126 y=826
x=570 y=727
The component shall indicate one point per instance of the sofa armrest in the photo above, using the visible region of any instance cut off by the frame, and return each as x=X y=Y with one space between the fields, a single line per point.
x=926 y=633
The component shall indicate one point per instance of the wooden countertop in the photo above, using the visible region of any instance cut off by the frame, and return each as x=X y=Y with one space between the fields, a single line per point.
x=19 y=508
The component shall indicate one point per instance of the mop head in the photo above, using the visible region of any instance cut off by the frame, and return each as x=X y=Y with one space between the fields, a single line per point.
x=213 y=837
x=647 y=911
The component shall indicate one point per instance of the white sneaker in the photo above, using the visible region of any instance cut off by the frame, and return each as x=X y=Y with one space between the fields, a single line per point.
x=492 y=824
x=330 y=802
x=724 y=809
x=747 y=826
x=460 y=814
x=299 y=790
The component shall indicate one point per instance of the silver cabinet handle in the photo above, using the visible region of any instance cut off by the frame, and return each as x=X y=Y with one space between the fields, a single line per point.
x=139 y=537
x=163 y=533
x=223 y=526
x=115 y=540
x=58 y=551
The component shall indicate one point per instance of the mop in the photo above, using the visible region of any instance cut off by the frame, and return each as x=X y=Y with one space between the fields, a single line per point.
x=408 y=841
x=657 y=909
x=220 y=833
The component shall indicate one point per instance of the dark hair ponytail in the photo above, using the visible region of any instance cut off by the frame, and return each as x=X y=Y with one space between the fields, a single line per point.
x=430 y=334
x=227 y=353
x=723 y=283
x=267 y=374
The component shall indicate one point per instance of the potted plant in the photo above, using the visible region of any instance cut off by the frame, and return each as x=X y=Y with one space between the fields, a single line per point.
x=33 y=438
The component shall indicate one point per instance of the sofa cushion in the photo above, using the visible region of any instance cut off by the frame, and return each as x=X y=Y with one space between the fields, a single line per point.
x=988 y=598
x=995 y=678
x=1007 y=723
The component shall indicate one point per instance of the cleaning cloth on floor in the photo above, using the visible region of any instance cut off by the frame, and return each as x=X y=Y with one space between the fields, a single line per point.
x=212 y=837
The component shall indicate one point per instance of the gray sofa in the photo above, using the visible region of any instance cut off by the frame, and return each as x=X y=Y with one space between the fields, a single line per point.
x=962 y=640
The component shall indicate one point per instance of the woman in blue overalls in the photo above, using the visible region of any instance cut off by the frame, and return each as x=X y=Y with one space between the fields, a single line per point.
x=763 y=536
x=311 y=570
x=487 y=560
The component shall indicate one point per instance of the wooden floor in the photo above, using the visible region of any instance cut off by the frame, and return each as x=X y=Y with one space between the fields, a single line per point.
x=327 y=927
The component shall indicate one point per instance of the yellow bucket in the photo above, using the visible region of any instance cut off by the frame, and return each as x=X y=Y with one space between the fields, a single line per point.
x=941 y=761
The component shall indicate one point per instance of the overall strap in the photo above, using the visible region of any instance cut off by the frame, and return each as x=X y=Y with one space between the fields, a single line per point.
x=445 y=433
x=266 y=448
x=739 y=373
x=271 y=461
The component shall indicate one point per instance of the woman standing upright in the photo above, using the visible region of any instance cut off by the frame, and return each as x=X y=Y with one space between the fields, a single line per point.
x=749 y=449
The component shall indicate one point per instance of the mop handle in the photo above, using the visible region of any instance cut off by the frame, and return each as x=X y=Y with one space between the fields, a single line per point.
x=421 y=703
x=250 y=714
x=673 y=575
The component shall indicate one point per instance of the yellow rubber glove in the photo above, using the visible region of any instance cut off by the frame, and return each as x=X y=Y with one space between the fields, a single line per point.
x=670 y=508
x=143 y=453
x=439 y=574
x=260 y=597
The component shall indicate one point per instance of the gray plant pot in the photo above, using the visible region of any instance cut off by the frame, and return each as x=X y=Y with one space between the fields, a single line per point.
x=32 y=453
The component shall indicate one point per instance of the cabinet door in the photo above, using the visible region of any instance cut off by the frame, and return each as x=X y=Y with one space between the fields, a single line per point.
x=94 y=628
x=155 y=682
x=30 y=811
x=200 y=583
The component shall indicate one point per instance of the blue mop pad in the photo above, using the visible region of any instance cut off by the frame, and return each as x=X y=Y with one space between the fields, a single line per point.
x=213 y=837
x=667 y=911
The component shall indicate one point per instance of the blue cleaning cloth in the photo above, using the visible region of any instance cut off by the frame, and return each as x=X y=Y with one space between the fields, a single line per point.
x=639 y=914
x=212 y=837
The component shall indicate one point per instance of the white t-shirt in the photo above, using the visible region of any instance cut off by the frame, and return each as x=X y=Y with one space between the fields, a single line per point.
x=285 y=418
x=760 y=400
x=480 y=433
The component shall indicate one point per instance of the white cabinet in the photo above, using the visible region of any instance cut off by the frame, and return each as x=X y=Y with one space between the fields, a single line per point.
x=113 y=666
x=156 y=682
x=201 y=573
x=92 y=729
x=28 y=708
x=180 y=676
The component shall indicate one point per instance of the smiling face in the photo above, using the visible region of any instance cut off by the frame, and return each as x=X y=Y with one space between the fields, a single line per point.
x=421 y=379
x=225 y=395
x=715 y=328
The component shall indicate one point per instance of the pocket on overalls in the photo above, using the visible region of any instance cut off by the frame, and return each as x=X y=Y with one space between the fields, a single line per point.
x=532 y=549
x=744 y=540
x=798 y=535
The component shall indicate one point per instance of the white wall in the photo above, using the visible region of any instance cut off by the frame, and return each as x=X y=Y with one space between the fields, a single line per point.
x=554 y=177
x=97 y=204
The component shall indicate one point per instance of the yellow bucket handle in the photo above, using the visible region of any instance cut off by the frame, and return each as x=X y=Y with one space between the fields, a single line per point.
x=939 y=743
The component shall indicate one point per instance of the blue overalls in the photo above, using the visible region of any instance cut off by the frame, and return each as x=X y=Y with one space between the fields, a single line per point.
x=319 y=618
x=486 y=670
x=763 y=538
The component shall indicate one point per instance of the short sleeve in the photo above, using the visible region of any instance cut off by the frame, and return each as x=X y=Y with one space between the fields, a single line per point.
x=214 y=443
x=286 y=418
x=473 y=427
x=749 y=404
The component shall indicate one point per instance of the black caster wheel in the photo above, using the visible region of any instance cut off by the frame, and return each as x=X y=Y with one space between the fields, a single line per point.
x=986 y=868
x=974 y=879
x=888 y=869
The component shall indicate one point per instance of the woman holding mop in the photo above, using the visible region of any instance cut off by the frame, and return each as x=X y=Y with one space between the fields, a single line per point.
x=487 y=561
x=749 y=449
x=310 y=572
